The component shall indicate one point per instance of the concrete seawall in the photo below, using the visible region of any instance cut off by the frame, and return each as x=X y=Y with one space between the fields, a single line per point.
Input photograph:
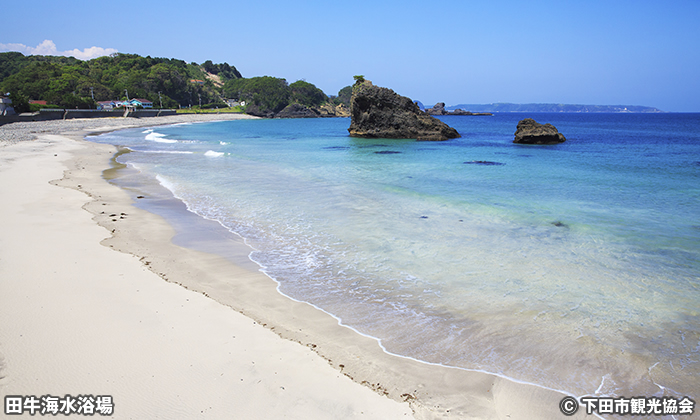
x=66 y=114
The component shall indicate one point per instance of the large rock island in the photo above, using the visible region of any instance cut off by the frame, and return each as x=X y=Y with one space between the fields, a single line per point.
x=379 y=112
x=530 y=131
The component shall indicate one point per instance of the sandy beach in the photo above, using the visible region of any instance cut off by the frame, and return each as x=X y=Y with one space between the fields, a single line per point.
x=95 y=299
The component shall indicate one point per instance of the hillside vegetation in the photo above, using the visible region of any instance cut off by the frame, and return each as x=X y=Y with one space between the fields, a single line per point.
x=67 y=82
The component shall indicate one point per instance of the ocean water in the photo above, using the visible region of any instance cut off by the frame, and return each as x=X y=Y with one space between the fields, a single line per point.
x=575 y=266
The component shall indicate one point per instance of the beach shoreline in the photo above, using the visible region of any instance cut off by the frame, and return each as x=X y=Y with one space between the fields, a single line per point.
x=145 y=240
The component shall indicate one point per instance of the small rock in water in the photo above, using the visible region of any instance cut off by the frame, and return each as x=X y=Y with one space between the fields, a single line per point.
x=484 y=162
x=530 y=131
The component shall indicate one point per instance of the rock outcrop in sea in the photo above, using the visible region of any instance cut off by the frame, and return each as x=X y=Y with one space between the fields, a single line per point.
x=439 y=109
x=530 y=131
x=379 y=112
x=460 y=111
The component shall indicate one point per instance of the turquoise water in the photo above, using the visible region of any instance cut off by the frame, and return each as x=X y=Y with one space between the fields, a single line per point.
x=575 y=266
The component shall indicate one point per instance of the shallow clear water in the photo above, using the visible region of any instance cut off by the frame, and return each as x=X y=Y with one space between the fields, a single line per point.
x=574 y=266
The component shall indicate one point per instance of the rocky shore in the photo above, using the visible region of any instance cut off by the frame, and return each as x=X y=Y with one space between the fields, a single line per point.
x=297 y=110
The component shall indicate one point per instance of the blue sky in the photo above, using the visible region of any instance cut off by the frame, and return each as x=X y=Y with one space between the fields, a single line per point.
x=580 y=52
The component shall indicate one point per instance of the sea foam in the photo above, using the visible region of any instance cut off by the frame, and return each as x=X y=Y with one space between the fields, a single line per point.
x=158 y=137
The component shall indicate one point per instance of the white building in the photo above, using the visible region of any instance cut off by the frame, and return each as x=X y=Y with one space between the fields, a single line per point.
x=6 y=106
x=141 y=102
x=109 y=105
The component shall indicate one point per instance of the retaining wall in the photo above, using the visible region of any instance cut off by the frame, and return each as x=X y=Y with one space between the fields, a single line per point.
x=67 y=114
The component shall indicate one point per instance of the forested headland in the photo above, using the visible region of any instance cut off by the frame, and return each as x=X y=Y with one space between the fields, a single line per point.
x=67 y=82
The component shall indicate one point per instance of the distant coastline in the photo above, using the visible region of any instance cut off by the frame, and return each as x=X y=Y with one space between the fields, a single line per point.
x=508 y=107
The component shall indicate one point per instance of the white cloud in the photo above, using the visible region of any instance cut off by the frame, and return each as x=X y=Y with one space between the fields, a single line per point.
x=49 y=48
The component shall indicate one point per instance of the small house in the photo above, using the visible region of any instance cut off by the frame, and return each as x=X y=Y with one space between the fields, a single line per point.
x=144 y=103
x=106 y=105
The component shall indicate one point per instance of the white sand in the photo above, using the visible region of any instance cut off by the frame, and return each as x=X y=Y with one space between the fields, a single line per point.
x=78 y=317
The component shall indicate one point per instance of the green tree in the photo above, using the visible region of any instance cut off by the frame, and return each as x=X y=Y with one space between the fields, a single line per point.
x=20 y=103
x=307 y=94
x=344 y=96
x=209 y=67
x=72 y=101
x=11 y=63
x=268 y=94
x=228 y=72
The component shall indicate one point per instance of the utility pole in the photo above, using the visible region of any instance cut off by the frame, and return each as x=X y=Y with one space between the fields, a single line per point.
x=92 y=93
x=127 y=106
x=161 y=100
x=200 y=101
